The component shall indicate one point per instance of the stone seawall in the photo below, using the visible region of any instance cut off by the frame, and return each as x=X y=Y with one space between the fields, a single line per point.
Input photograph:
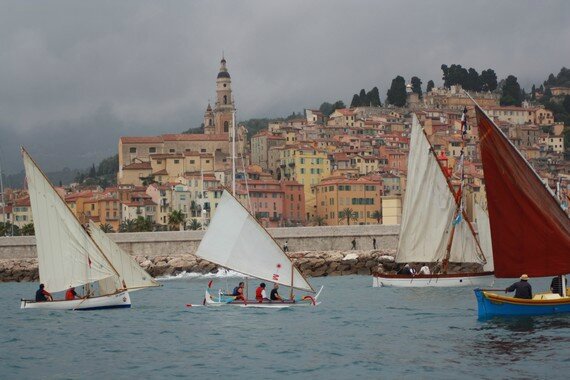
x=313 y=264
x=172 y=243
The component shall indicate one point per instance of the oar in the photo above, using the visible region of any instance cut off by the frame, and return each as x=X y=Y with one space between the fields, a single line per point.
x=492 y=290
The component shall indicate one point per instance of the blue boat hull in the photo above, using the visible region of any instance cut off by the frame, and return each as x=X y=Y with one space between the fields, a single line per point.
x=490 y=304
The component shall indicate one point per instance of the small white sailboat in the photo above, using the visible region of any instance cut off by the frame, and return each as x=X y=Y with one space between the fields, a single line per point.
x=434 y=229
x=236 y=241
x=68 y=256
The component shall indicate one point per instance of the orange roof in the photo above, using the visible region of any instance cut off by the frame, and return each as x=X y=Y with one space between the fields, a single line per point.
x=141 y=139
x=138 y=166
x=195 y=137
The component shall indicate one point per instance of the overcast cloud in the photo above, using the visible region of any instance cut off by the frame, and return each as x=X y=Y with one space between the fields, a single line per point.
x=76 y=75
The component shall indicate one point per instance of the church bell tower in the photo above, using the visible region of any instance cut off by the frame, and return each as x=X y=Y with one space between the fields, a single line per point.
x=224 y=106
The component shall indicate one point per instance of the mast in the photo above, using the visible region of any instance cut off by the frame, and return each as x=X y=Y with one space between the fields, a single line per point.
x=2 y=200
x=234 y=152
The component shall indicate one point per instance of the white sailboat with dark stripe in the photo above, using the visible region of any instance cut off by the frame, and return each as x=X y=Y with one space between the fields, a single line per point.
x=69 y=256
x=435 y=228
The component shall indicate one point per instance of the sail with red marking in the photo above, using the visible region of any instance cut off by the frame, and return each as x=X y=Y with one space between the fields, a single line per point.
x=530 y=232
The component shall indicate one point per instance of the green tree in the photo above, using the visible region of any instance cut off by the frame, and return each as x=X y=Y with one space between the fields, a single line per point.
x=512 y=95
x=472 y=81
x=417 y=86
x=175 y=218
x=355 y=101
x=377 y=215
x=109 y=166
x=566 y=103
x=533 y=92
x=92 y=172
x=347 y=214
x=143 y=224
x=318 y=221
x=27 y=229
x=106 y=227
x=9 y=229
x=430 y=86
x=339 y=104
x=363 y=98
x=326 y=108
x=127 y=225
x=374 y=97
x=194 y=224
x=397 y=93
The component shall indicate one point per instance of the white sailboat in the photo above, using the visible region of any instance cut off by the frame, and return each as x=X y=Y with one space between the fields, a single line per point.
x=69 y=257
x=434 y=229
x=236 y=241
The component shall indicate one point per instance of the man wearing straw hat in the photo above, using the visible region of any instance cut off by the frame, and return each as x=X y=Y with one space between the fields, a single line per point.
x=522 y=288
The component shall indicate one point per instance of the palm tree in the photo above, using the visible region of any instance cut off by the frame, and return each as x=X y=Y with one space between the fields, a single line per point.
x=127 y=225
x=27 y=229
x=377 y=215
x=318 y=221
x=175 y=218
x=106 y=227
x=195 y=224
x=143 y=224
x=348 y=214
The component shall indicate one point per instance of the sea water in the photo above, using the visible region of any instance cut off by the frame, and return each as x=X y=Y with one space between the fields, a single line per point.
x=357 y=332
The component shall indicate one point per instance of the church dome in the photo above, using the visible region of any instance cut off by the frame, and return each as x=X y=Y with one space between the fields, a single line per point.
x=223 y=74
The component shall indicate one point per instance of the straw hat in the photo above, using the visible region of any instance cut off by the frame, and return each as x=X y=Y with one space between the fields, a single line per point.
x=524 y=277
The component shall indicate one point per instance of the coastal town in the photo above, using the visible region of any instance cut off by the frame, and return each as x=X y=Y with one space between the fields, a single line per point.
x=336 y=165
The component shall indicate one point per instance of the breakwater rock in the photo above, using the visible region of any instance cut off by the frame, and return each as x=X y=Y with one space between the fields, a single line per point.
x=311 y=263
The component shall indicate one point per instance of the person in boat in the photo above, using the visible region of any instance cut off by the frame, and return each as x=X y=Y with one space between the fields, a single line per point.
x=71 y=294
x=407 y=270
x=43 y=295
x=424 y=270
x=521 y=288
x=238 y=292
x=274 y=296
x=556 y=285
x=260 y=294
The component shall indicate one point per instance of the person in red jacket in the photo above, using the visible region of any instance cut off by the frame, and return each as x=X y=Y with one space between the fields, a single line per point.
x=260 y=294
x=70 y=294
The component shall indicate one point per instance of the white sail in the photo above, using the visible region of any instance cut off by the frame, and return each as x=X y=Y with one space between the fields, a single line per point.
x=484 y=231
x=428 y=211
x=236 y=241
x=129 y=270
x=66 y=254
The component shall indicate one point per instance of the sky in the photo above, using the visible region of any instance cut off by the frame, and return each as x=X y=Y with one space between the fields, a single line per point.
x=77 y=75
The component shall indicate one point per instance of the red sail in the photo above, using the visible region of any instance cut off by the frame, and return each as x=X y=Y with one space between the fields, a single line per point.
x=529 y=230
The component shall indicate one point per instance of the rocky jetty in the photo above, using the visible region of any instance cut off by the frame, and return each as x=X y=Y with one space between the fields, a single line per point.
x=311 y=263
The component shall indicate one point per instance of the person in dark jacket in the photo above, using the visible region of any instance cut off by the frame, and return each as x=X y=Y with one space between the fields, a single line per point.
x=43 y=295
x=521 y=288
x=556 y=285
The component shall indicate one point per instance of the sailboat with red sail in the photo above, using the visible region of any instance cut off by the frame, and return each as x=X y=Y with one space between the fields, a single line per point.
x=530 y=232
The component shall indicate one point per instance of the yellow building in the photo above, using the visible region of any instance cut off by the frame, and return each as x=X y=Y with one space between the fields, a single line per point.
x=334 y=195
x=391 y=209
x=306 y=165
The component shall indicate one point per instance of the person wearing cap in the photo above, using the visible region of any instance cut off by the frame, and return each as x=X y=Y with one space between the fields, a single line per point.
x=521 y=288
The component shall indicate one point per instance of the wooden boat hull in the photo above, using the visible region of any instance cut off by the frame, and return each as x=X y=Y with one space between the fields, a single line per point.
x=435 y=280
x=112 y=301
x=492 y=304
x=224 y=300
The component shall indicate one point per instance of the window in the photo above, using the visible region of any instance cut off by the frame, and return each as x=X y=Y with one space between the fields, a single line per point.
x=192 y=161
x=225 y=99
x=202 y=150
x=152 y=149
x=159 y=161
x=132 y=150
x=172 y=150
x=226 y=126
x=176 y=161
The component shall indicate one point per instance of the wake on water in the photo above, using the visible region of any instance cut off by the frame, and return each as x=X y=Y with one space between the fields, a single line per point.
x=221 y=273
